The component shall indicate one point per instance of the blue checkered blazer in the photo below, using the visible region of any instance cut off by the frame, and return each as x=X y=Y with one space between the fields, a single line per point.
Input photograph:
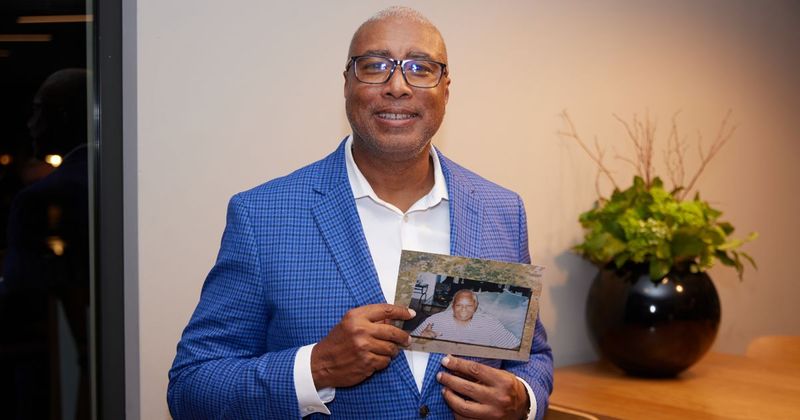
x=293 y=260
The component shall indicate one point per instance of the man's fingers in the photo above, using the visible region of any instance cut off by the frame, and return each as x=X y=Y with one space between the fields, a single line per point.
x=384 y=311
x=378 y=347
x=362 y=343
x=465 y=387
x=390 y=333
x=462 y=408
x=378 y=363
x=482 y=388
x=469 y=369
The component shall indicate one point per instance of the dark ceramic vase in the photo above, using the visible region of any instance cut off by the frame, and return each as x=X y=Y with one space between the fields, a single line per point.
x=654 y=329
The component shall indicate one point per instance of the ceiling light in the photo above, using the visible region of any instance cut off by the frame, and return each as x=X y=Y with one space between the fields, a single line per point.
x=26 y=37
x=55 y=19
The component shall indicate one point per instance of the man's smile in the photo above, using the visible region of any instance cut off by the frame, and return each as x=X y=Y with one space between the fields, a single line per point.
x=396 y=116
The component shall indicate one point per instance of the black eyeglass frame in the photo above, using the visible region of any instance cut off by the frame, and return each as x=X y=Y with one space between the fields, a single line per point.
x=396 y=63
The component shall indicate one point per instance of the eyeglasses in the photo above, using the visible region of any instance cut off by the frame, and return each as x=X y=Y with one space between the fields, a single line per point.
x=375 y=69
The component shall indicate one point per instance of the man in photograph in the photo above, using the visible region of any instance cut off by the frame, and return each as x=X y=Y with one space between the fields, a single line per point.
x=293 y=320
x=462 y=323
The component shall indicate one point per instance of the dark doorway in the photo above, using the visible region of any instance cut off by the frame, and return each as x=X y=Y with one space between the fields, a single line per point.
x=49 y=210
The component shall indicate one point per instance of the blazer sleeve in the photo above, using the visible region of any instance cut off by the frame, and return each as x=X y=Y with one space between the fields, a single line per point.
x=223 y=369
x=538 y=370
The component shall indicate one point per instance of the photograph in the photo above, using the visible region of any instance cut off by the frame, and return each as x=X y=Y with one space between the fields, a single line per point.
x=468 y=311
x=469 y=306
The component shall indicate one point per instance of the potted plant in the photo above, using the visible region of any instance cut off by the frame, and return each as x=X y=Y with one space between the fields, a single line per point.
x=652 y=309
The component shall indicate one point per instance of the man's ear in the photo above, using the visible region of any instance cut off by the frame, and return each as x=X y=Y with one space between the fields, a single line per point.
x=447 y=91
x=346 y=81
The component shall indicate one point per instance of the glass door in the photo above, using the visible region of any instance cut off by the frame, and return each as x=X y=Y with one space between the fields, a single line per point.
x=52 y=352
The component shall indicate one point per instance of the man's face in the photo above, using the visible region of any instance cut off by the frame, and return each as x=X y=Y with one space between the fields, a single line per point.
x=395 y=121
x=464 y=308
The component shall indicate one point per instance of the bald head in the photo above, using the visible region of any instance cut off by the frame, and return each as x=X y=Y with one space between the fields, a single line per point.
x=65 y=88
x=58 y=122
x=394 y=14
x=467 y=294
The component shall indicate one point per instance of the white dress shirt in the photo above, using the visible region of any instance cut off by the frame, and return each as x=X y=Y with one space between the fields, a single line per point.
x=424 y=227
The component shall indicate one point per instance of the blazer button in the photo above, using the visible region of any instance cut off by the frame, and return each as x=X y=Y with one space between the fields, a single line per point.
x=423 y=411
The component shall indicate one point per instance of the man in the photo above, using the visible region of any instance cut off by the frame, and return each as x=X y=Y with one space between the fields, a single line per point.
x=461 y=323
x=293 y=319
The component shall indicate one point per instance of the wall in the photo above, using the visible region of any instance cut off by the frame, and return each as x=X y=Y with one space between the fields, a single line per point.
x=219 y=112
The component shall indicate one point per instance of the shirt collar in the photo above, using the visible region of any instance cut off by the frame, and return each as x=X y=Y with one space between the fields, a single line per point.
x=362 y=189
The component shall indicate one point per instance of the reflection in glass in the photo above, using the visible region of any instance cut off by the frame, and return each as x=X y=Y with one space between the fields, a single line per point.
x=44 y=211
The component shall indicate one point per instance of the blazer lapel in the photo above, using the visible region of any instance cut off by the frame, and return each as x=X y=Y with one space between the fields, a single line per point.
x=338 y=222
x=340 y=226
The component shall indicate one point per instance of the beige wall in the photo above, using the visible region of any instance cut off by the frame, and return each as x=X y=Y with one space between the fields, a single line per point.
x=219 y=111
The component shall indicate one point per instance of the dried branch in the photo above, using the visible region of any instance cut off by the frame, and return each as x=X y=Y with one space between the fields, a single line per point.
x=724 y=134
x=635 y=139
x=674 y=155
x=597 y=156
x=633 y=163
x=600 y=198
x=642 y=135
x=650 y=137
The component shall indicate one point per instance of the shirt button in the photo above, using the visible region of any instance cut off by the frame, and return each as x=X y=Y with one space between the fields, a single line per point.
x=423 y=411
x=405 y=218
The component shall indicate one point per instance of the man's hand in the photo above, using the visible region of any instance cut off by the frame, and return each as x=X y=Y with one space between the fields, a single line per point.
x=477 y=391
x=428 y=332
x=363 y=342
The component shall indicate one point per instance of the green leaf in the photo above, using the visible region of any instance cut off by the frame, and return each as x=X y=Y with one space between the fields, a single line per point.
x=687 y=246
x=621 y=259
x=647 y=224
x=726 y=227
x=730 y=245
x=657 y=183
x=739 y=266
x=602 y=247
x=714 y=236
x=663 y=251
x=659 y=269
x=723 y=257
x=749 y=259
x=711 y=213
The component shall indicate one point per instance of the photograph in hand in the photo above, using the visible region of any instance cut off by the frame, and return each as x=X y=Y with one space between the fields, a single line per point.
x=468 y=306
